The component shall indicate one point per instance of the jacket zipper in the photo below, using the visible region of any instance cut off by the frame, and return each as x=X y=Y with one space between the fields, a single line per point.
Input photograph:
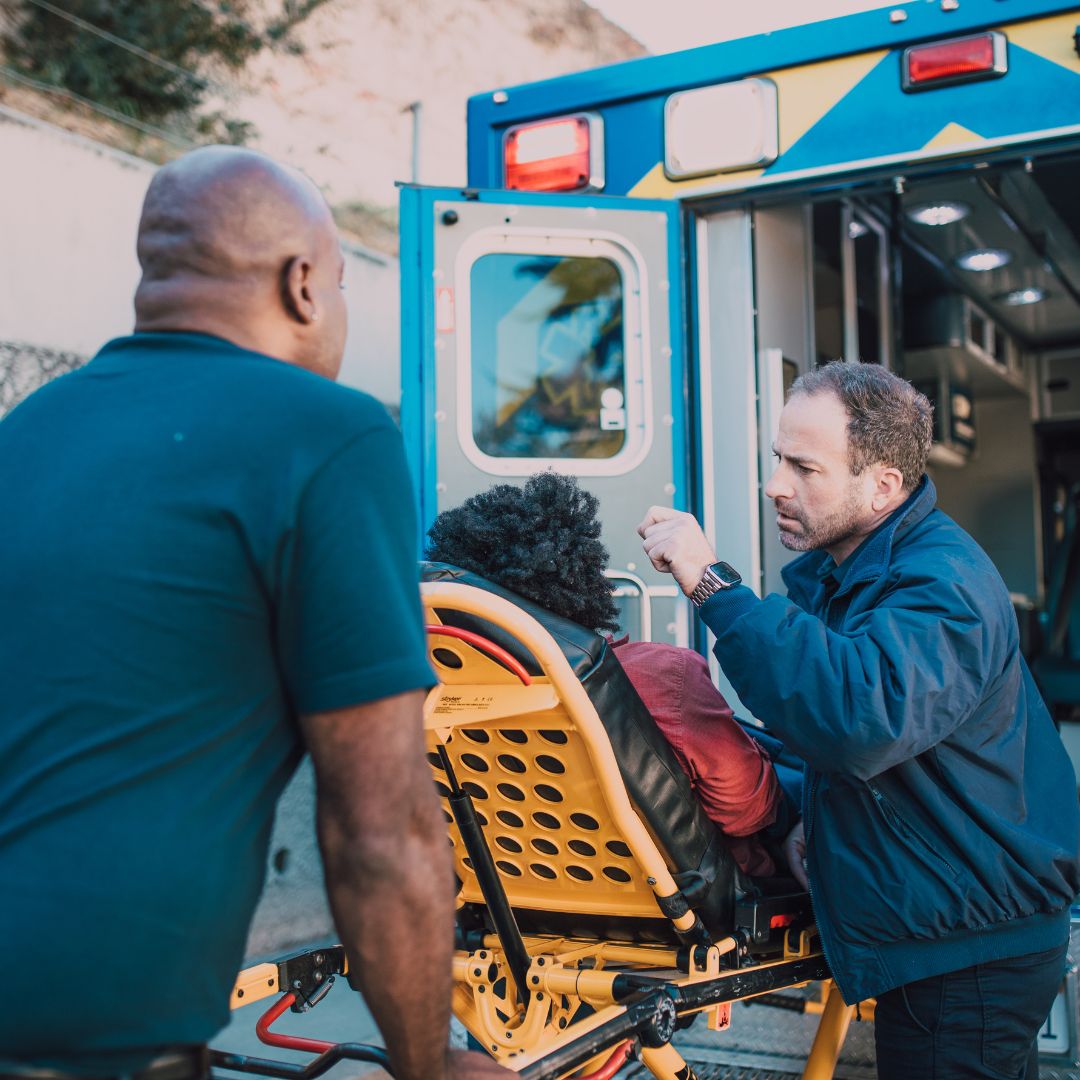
x=888 y=810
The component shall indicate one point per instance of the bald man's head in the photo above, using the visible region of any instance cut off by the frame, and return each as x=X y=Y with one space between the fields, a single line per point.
x=233 y=244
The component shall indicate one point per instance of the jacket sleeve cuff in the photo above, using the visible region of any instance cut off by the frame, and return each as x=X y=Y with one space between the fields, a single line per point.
x=724 y=607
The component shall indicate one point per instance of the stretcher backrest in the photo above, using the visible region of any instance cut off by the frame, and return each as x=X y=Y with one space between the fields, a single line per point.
x=547 y=766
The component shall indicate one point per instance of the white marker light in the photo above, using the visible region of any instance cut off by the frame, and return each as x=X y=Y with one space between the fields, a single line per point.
x=938 y=213
x=721 y=128
x=983 y=259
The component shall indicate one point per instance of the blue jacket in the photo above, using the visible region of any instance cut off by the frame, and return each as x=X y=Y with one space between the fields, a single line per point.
x=940 y=806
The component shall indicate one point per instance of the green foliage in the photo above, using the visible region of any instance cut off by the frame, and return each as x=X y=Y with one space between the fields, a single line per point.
x=216 y=127
x=187 y=34
x=293 y=12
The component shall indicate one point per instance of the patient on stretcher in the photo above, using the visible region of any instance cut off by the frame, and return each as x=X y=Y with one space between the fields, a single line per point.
x=542 y=542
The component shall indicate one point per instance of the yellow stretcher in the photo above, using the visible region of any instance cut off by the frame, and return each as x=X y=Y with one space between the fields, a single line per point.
x=599 y=909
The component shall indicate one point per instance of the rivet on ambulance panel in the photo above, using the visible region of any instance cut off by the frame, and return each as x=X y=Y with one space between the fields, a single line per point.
x=437 y=274
x=440 y=488
x=665 y=352
x=950 y=5
x=631 y=566
x=669 y=489
x=440 y=416
x=669 y=420
x=672 y=628
x=440 y=344
x=897 y=16
x=663 y=285
x=500 y=97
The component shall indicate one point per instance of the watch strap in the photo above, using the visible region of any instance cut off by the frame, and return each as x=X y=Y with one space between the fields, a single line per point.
x=709 y=584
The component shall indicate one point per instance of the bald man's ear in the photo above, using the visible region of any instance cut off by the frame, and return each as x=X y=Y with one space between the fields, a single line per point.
x=297 y=290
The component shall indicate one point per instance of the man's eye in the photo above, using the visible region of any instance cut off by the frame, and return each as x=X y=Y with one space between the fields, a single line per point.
x=805 y=469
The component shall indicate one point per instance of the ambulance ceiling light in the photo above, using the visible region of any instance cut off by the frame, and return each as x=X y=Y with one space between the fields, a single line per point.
x=964 y=59
x=983 y=259
x=1020 y=297
x=721 y=128
x=562 y=154
x=942 y=212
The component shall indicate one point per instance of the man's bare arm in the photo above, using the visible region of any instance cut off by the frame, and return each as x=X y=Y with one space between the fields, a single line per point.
x=389 y=878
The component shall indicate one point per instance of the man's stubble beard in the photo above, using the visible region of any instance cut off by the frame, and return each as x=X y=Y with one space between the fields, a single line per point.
x=834 y=529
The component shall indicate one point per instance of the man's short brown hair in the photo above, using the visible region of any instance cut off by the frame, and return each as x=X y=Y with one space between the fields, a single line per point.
x=890 y=422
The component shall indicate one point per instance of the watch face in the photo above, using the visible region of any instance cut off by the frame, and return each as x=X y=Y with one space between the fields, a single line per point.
x=726 y=573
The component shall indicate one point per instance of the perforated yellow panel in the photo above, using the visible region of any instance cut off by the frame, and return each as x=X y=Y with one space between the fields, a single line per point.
x=515 y=750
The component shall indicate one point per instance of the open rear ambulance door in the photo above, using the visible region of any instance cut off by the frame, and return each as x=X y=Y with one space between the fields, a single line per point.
x=544 y=332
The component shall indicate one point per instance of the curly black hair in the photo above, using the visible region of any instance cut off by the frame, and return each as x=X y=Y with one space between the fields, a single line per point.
x=541 y=541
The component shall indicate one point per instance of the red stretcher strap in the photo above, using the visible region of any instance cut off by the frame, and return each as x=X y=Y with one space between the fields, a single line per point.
x=497 y=652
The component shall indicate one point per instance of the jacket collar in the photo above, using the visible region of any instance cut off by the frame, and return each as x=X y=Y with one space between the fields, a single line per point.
x=868 y=561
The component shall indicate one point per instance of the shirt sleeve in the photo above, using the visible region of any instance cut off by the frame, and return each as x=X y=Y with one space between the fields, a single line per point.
x=733 y=776
x=350 y=623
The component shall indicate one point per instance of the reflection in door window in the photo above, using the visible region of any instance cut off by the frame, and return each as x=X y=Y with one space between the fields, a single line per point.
x=548 y=365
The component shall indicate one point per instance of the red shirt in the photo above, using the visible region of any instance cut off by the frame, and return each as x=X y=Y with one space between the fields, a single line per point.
x=730 y=774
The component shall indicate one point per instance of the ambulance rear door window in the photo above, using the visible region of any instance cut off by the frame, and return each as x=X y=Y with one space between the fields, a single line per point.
x=548 y=364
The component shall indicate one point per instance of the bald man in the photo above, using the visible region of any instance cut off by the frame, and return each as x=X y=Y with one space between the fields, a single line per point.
x=202 y=533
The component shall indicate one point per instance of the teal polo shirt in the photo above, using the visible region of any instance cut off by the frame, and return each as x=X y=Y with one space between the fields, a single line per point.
x=199 y=545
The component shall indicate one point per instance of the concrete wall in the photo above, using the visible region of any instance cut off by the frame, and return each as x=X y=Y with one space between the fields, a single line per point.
x=68 y=220
x=67 y=237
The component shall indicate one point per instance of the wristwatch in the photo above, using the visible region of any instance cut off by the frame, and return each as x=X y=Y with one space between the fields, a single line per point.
x=720 y=575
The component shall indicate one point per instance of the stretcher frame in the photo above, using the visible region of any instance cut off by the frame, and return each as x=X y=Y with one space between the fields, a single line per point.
x=548 y=1006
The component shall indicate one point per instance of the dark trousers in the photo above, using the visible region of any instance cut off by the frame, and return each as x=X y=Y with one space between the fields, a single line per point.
x=981 y=1021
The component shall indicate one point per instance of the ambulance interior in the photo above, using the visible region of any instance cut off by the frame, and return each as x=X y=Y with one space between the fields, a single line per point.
x=968 y=283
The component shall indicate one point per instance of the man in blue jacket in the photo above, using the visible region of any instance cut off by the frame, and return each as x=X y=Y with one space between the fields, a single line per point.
x=941 y=819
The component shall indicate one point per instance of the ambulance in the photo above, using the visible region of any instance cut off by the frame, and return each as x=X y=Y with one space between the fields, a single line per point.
x=648 y=254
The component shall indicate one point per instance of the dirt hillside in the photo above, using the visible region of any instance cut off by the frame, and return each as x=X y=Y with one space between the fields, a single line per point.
x=333 y=96
x=341 y=107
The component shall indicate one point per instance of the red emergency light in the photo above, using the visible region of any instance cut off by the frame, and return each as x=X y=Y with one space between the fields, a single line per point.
x=944 y=63
x=565 y=154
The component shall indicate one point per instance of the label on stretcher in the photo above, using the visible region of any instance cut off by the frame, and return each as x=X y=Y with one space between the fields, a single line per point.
x=458 y=703
x=719 y=1017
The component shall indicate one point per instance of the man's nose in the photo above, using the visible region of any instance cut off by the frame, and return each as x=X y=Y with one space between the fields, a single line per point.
x=778 y=486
